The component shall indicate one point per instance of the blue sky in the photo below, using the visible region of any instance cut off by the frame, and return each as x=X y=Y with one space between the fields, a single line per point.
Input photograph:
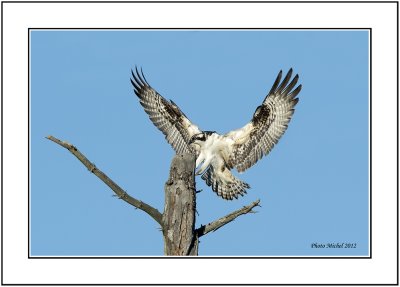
x=313 y=186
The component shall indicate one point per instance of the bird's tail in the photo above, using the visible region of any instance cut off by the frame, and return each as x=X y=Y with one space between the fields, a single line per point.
x=227 y=186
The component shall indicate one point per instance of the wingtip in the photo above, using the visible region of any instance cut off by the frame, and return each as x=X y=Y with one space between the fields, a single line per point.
x=144 y=78
x=299 y=87
x=134 y=84
x=137 y=81
x=290 y=72
x=140 y=76
x=137 y=71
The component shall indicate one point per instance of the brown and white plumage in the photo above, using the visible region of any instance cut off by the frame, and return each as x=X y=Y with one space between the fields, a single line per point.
x=165 y=115
x=218 y=154
x=269 y=122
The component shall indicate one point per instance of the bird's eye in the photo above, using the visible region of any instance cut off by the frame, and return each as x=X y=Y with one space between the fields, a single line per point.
x=199 y=137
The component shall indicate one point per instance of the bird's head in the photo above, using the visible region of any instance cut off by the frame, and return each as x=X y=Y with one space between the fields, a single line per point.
x=200 y=138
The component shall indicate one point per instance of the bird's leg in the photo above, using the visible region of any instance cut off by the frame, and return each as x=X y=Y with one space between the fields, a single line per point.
x=204 y=166
x=200 y=159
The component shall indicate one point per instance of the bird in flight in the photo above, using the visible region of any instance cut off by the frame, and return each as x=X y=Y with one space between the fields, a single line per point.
x=218 y=154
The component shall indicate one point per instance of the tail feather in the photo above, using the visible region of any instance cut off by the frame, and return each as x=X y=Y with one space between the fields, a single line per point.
x=226 y=189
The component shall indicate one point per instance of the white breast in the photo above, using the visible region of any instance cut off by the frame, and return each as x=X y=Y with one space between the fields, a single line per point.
x=214 y=149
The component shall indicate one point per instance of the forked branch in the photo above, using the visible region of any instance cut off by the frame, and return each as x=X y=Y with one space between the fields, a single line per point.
x=213 y=226
x=153 y=212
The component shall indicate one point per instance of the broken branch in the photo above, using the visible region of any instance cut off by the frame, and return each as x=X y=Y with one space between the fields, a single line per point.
x=213 y=226
x=153 y=212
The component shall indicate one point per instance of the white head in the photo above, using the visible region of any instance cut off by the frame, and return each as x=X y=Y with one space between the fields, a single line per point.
x=200 y=138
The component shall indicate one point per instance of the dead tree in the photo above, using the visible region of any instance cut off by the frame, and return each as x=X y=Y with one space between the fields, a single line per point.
x=178 y=220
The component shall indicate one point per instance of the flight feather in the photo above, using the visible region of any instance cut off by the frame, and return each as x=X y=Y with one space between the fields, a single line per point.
x=269 y=122
x=218 y=154
x=164 y=114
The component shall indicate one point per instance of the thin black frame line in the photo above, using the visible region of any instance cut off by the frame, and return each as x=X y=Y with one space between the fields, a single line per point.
x=200 y=284
x=206 y=2
x=197 y=257
x=2 y=214
x=397 y=155
x=29 y=140
x=197 y=28
x=370 y=143
x=211 y=257
x=125 y=2
x=193 y=284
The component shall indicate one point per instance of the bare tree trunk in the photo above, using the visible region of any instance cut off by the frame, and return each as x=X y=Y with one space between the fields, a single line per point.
x=179 y=215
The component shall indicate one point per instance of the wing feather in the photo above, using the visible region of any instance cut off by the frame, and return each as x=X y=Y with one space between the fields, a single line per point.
x=224 y=183
x=165 y=115
x=269 y=123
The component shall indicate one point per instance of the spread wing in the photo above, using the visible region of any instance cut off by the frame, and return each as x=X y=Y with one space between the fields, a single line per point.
x=267 y=126
x=165 y=115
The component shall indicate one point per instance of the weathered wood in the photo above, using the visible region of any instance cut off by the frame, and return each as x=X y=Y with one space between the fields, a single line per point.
x=180 y=208
x=153 y=212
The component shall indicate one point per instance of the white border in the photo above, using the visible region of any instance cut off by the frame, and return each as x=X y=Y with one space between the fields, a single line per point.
x=18 y=17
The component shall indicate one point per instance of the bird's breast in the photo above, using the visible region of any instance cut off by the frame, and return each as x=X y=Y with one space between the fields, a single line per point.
x=216 y=145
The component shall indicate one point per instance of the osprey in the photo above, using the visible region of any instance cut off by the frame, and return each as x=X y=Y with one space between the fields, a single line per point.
x=218 y=154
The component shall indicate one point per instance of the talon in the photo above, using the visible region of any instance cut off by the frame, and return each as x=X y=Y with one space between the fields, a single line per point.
x=198 y=191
